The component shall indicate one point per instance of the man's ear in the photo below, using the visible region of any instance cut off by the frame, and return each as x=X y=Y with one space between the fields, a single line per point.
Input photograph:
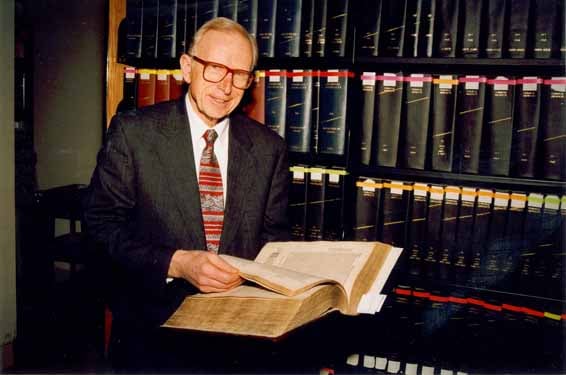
x=186 y=66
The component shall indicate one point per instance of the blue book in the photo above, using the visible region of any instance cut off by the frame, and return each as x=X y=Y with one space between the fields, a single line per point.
x=167 y=29
x=332 y=112
x=275 y=100
x=337 y=28
x=247 y=15
x=134 y=24
x=298 y=114
x=288 y=28
x=206 y=10
x=266 y=15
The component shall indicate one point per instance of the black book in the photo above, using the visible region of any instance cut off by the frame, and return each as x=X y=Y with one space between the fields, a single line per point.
x=443 y=118
x=276 y=100
x=315 y=205
x=415 y=120
x=472 y=17
x=500 y=100
x=526 y=126
x=392 y=34
x=334 y=185
x=288 y=28
x=416 y=238
x=463 y=249
x=186 y=15
x=496 y=245
x=469 y=122
x=433 y=231
x=247 y=15
x=531 y=235
x=548 y=18
x=368 y=29
x=482 y=216
x=307 y=27
x=518 y=28
x=387 y=115
x=228 y=9
x=298 y=202
x=446 y=33
x=558 y=259
x=395 y=210
x=319 y=27
x=266 y=18
x=366 y=214
x=553 y=128
x=130 y=90
x=315 y=113
x=368 y=104
x=298 y=111
x=332 y=112
x=134 y=31
x=150 y=28
x=206 y=10
x=167 y=29
x=448 y=244
x=337 y=28
x=411 y=29
x=514 y=237
x=495 y=25
x=426 y=15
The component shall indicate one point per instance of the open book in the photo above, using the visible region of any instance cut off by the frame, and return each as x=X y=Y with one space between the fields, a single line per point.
x=293 y=283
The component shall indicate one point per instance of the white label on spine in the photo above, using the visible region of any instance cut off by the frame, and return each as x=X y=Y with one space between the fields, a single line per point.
x=552 y=202
x=485 y=198
x=162 y=77
x=446 y=372
x=380 y=363
x=368 y=188
x=369 y=82
x=452 y=194
x=390 y=82
x=275 y=78
x=393 y=367
x=299 y=78
x=369 y=361
x=535 y=200
x=519 y=203
x=333 y=79
x=445 y=85
x=436 y=193
x=560 y=87
x=395 y=190
x=472 y=85
x=299 y=175
x=471 y=196
x=353 y=359
x=418 y=83
x=420 y=189
x=501 y=201
x=501 y=86
x=334 y=177
x=427 y=370
x=144 y=75
x=411 y=368
x=530 y=86
x=316 y=176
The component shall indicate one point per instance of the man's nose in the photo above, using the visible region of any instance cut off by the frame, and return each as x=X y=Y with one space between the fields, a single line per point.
x=226 y=83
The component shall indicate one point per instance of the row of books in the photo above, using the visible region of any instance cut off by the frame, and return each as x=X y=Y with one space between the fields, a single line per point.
x=410 y=28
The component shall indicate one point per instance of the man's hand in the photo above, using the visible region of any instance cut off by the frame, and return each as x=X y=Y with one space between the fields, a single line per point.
x=205 y=270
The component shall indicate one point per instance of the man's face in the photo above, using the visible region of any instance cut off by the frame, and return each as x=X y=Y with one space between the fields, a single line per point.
x=214 y=101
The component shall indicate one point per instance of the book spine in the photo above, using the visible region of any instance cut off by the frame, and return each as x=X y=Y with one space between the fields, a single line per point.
x=307 y=28
x=448 y=250
x=228 y=9
x=176 y=84
x=463 y=251
x=446 y=34
x=434 y=231
x=469 y=122
x=129 y=100
x=387 y=114
x=276 y=100
x=247 y=15
x=558 y=260
x=496 y=24
x=337 y=28
x=416 y=242
x=443 y=117
x=472 y=16
x=415 y=120
x=150 y=28
x=497 y=249
x=206 y=10
x=518 y=30
x=395 y=197
x=500 y=95
x=369 y=29
x=167 y=29
x=298 y=202
x=288 y=28
x=332 y=112
x=426 y=16
x=526 y=126
x=134 y=31
x=480 y=233
x=319 y=21
x=334 y=185
x=162 y=89
x=368 y=104
x=554 y=129
x=412 y=18
x=266 y=18
x=548 y=18
x=392 y=33
x=298 y=111
x=531 y=235
x=315 y=113
x=366 y=215
x=515 y=236
x=146 y=87
x=315 y=205
x=184 y=28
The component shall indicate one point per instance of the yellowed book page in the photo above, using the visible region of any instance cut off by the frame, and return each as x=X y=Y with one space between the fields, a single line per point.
x=279 y=279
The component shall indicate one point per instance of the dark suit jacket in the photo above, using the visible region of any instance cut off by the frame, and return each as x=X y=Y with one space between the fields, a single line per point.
x=144 y=203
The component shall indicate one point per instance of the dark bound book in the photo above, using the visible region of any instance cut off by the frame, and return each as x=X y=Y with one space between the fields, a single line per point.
x=288 y=28
x=298 y=202
x=447 y=268
x=426 y=15
x=228 y=9
x=387 y=114
x=553 y=128
x=472 y=17
x=416 y=231
x=496 y=245
x=319 y=27
x=500 y=99
x=134 y=31
x=531 y=236
x=315 y=113
x=186 y=16
x=368 y=29
x=526 y=126
x=145 y=87
x=307 y=27
x=334 y=185
x=266 y=16
x=332 y=111
x=480 y=233
x=298 y=114
x=411 y=29
x=549 y=254
x=368 y=104
x=548 y=17
x=415 y=120
x=469 y=122
x=162 y=87
x=514 y=235
x=446 y=33
x=433 y=231
x=315 y=205
x=395 y=210
x=495 y=25
x=392 y=34
x=443 y=118
x=366 y=214
x=337 y=28
x=463 y=252
x=276 y=100
x=150 y=28
x=518 y=28
x=176 y=83
x=167 y=29
x=206 y=10
x=247 y=15
x=129 y=99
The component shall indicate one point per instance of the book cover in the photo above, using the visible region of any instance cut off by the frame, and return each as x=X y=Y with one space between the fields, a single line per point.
x=518 y=28
x=266 y=18
x=448 y=256
x=288 y=28
x=526 y=126
x=367 y=209
x=411 y=28
x=446 y=33
x=496 y=245
x=496 y=23
x=307 y=27
x=368 y=28
x=553 y=128
x=500 y=100
x=368 y=103
x=548 y=17
x=254 y=105
x=395 y=211
x=332 y=132
x=298 y=202
x=387 y=117
x=469 y=122
x=482 y=218
x=472 y=17
x=463 y=249
x=514 y=235
x=337 y=28
x=167 y=29
x=531 y=236
x=443 y=119
x=298 y=111
x=176 y=84
x=416 y=238
x=426 y=16
x=162 y=87
x=334 y=190
x=228 y=9
x=150 y=29
x=315 y=205
x=276 y=100
x=145 y=87
x=134 y=31
x=319 y=27
x=392 y=34
x=186 y=17
x=415 y=120
x=206 y=10
x=433 y=231
x=129 y=98
x=247 y=15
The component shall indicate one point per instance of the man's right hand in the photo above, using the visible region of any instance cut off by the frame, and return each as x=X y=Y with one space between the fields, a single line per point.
x=205 y=270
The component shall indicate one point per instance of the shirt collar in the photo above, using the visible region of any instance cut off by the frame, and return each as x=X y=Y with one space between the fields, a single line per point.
x=198 y=126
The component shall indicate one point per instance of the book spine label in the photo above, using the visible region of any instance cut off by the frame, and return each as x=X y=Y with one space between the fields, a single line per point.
x=369 y=30
x=472 y=15
x=315 y=205
x=443 y=118
x=334 y=181
x=496 y=23
x=394 y=213
x=298 y=202
x=298 y=114
x=519 y=21
x=434 y=231
x=276 y=100
x=368 y=196
x=337 y=28
x=247 y=15
x=554 y=129
x=495 y=255
x=463 y=252
x=387 y=114
x=266 y=16
x=368 y=104
x=129 y=100
x=167 y=42
x=417 y=230
x=447 y=16
x=480 y=232
x=134 y=31
x=392 y=33
x=307 y=28
x=448 y=250
x=288 y=28
x=332 y=112
x=206 y=10
x=320 y=20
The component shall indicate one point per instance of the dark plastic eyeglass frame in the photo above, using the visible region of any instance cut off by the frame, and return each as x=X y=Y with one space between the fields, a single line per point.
x=206 y=63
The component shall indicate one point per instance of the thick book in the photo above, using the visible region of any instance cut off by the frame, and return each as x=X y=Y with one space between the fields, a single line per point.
x=145 y=87
x=472 y=18
x=387 y=117
x=392 y=34
x=442 y=121
x=319 y=27
x=167 y=29
x=518 y=28
x=448 y=266
x=500 y=100
x=276 y=100
x=553 y=128
x=395 y=209
x=298 y=202
x=482 y=216
x=333 y=99
x=266 y=18
x=288 y=288
x=129 y=98
x=526 y=126
x=514 y=234
x=548 y=250
x=315 y=205
x=368 y=103
x=531 y=236
x=315 y=113
x=186 y=18
x=334 y=194
x=547 y=20
x=433 y=231
x=288 y=28
x=367 y=209
x=496 y=24
x=150 y=28
x=134 y=31
x=337 y=28
x=419 y=28
x=463 y=249
x=176 y=84
x=415 y=120
x=228 y=9
x=206 y=10
x=162 y=86
x=247 y=15
x=254 y=105
x=416 y=231
x=496 y=246
x=368 y=28
x=307 y=27
x=411 y=29
x=469 y=122
x=298 y=113
x=446 y=33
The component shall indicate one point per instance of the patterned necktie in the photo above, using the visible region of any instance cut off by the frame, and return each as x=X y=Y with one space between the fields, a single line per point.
x=211 y=194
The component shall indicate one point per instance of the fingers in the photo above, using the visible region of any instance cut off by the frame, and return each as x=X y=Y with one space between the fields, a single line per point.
x=208 y=272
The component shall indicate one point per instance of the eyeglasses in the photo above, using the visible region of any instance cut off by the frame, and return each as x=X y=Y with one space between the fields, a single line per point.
x=215 y=72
